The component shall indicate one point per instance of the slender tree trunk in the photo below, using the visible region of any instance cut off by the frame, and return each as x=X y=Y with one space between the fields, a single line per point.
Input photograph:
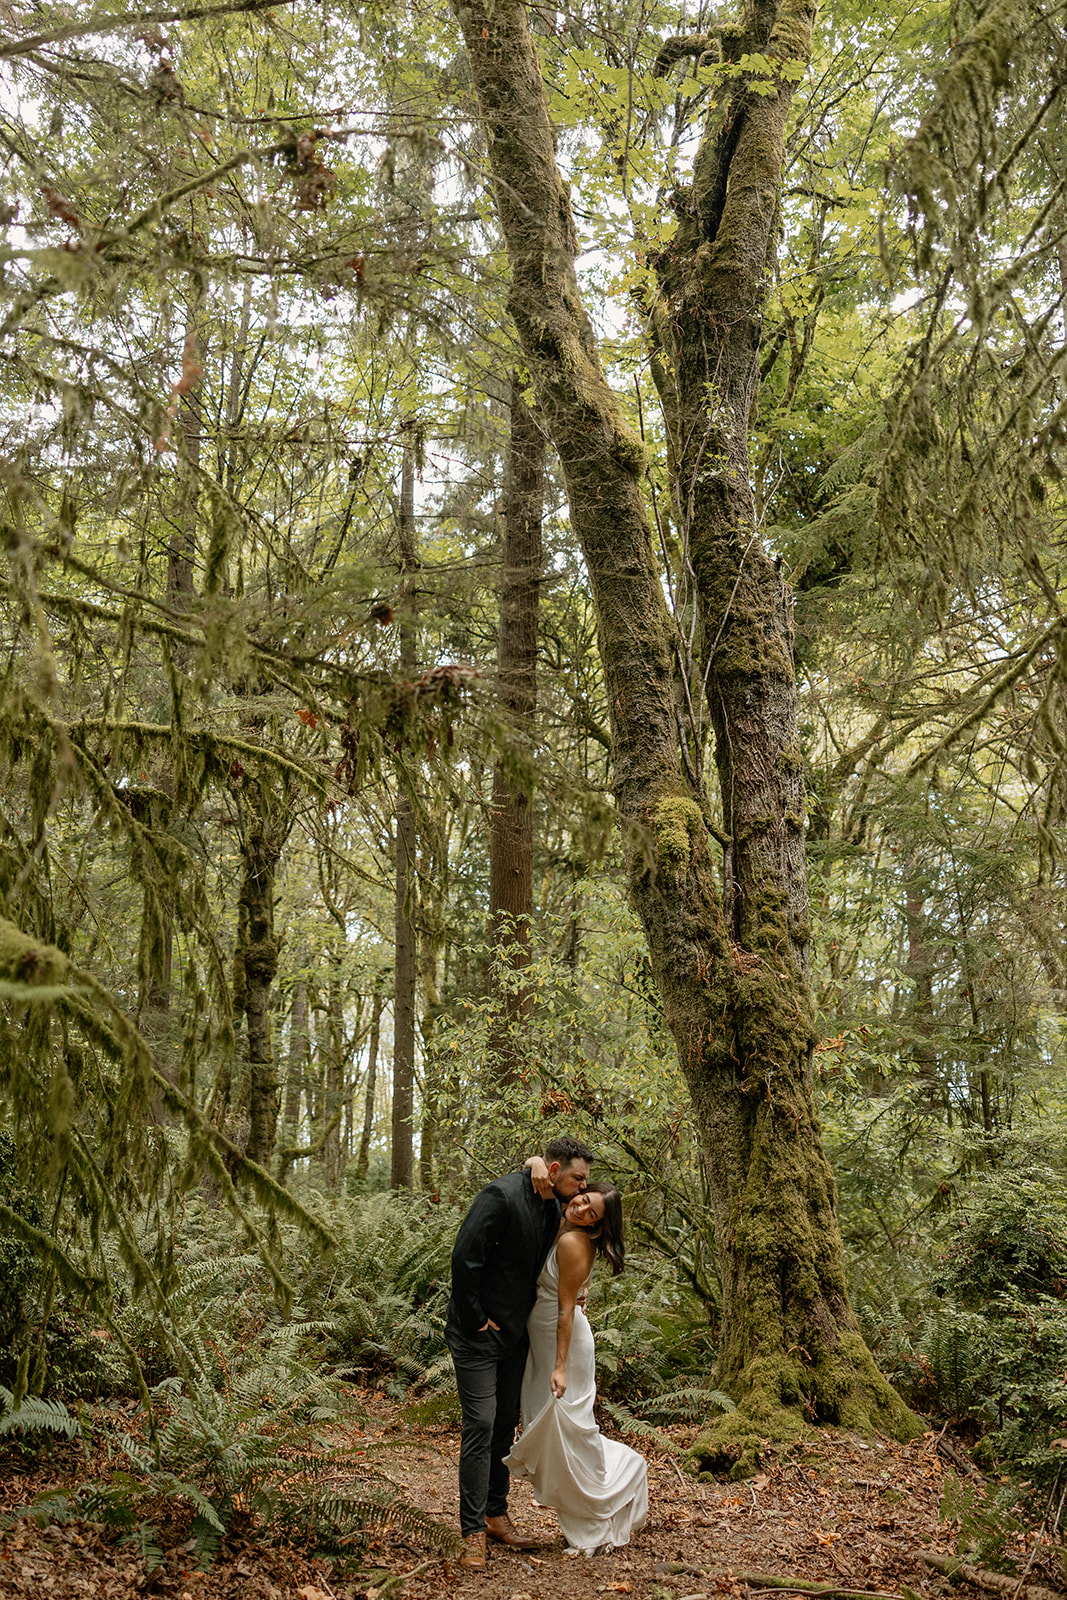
x=333 y=1067
x=920 y=969
x=435 y=884
x=155 y=952
x=295 y=1077
x=255 y=966
x=511 y=825
x=402 y=1170
x=363 y=1158
x=731 y=963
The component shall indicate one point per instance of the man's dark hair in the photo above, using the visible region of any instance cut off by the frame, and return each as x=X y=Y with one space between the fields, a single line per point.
x=567 y=1149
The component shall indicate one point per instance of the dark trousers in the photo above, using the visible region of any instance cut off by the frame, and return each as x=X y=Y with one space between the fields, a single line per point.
x=489 y=1380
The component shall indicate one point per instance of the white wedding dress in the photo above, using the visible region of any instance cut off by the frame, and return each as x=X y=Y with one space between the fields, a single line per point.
x=598 y=1486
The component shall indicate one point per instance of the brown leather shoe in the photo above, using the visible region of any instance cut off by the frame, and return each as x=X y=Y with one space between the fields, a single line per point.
x=503 y=1530
x=473 y=1553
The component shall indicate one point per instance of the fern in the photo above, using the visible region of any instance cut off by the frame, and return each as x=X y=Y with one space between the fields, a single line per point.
x=34 y=1415
x=335 y=1521
x=628 y=1423
x=45 y=1510
x=144 y=1539
x=955 y=1350
x=690 y=1403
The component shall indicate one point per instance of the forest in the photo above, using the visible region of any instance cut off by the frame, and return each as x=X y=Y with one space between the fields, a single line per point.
x=530 y=603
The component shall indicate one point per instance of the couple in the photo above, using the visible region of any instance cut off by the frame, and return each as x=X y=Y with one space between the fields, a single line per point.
x=517 y=1331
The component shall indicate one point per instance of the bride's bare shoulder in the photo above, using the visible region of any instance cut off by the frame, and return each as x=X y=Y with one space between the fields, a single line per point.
x=574 y=1246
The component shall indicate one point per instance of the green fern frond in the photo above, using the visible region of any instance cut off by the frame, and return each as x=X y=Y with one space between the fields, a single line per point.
x=45 y=1510
x=688 y=1404
x=347 y=1517
x=626 y=1422
x=34 y=1415
x=144 y=1539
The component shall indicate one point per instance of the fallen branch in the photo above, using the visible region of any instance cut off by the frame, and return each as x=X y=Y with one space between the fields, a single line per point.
x=768 y=1581
x=996 y=1582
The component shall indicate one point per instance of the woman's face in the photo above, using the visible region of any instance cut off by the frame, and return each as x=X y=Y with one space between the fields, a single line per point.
x=585 y=1210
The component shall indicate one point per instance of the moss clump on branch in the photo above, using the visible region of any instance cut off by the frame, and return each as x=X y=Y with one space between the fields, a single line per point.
x=791 y=35
x=29 y=965
x=678 y=826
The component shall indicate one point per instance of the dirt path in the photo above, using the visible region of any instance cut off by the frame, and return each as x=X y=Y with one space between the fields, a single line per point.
x=841 y=1512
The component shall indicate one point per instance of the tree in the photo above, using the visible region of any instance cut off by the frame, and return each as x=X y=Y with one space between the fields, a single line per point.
x=511 y=832
x=731 y=966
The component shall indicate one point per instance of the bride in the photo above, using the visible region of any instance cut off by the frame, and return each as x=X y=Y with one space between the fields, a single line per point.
x=598 y=1486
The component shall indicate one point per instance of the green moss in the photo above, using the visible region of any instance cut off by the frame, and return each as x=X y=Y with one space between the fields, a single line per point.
x=791 y=37
x=629 y=452
x=733 y=1447
x=678 y=826
x=29 y=963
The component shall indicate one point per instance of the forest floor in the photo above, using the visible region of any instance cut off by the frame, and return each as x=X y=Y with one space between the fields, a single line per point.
x=858 y=1516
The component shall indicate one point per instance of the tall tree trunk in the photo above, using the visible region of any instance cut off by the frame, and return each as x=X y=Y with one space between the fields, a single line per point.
x=295 y=1077
x=334 y=1070
x=433 y=890
x=731 y=964
x=157 y=934
x=920 y=969
x=363 y=1158
x=511 y=824
x=255 y=966
x=402 y=1169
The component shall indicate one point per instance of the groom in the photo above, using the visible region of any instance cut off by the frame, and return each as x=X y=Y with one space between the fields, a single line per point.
x=500 y=1249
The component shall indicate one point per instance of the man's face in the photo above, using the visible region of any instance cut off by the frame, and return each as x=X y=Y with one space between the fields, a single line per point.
x=569 y=1180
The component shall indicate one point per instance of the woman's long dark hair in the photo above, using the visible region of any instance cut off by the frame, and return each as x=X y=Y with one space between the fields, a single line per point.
x=607 y=1236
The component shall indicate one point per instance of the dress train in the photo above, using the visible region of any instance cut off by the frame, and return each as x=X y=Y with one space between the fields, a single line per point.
x=598 y=1486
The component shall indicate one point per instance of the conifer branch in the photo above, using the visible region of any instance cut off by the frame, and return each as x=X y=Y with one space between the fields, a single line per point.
x=999 y=689
x=165 y=731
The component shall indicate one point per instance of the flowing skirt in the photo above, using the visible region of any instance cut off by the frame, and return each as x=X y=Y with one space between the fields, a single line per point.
x=598 y=1486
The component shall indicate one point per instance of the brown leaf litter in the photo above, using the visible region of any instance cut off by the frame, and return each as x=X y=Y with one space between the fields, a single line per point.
x=839 y=1516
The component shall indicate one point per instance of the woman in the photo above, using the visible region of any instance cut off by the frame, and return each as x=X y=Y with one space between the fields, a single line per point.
x=598 y=1486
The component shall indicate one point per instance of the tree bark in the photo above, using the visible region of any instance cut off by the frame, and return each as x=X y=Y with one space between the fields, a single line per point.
x=334 y=1071
x=511 y=823
x=363 y=1158
x=731 y=964
x=155 y=956
x=295 y=1077
x=255 y=966
x=402 y=1169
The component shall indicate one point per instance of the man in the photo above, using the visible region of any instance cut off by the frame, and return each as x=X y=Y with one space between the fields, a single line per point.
x=500 y=1249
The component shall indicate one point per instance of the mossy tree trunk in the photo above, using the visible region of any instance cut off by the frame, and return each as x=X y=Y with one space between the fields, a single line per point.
x=728 y=937
x=255 y=965
x=363 y=1155
x=511 y=827
x=402 y=1169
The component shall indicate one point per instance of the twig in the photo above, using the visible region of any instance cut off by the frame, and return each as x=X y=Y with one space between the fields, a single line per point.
x=768 y=1582
x=1040 y=1535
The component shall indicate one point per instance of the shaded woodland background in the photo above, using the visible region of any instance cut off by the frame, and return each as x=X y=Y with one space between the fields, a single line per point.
x=313 y=911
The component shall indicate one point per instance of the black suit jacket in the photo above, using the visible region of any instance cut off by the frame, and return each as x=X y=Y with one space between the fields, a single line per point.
x=499 y=1251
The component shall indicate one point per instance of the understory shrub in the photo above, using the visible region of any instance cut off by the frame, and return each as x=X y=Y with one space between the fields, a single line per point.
x=995 y=1347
